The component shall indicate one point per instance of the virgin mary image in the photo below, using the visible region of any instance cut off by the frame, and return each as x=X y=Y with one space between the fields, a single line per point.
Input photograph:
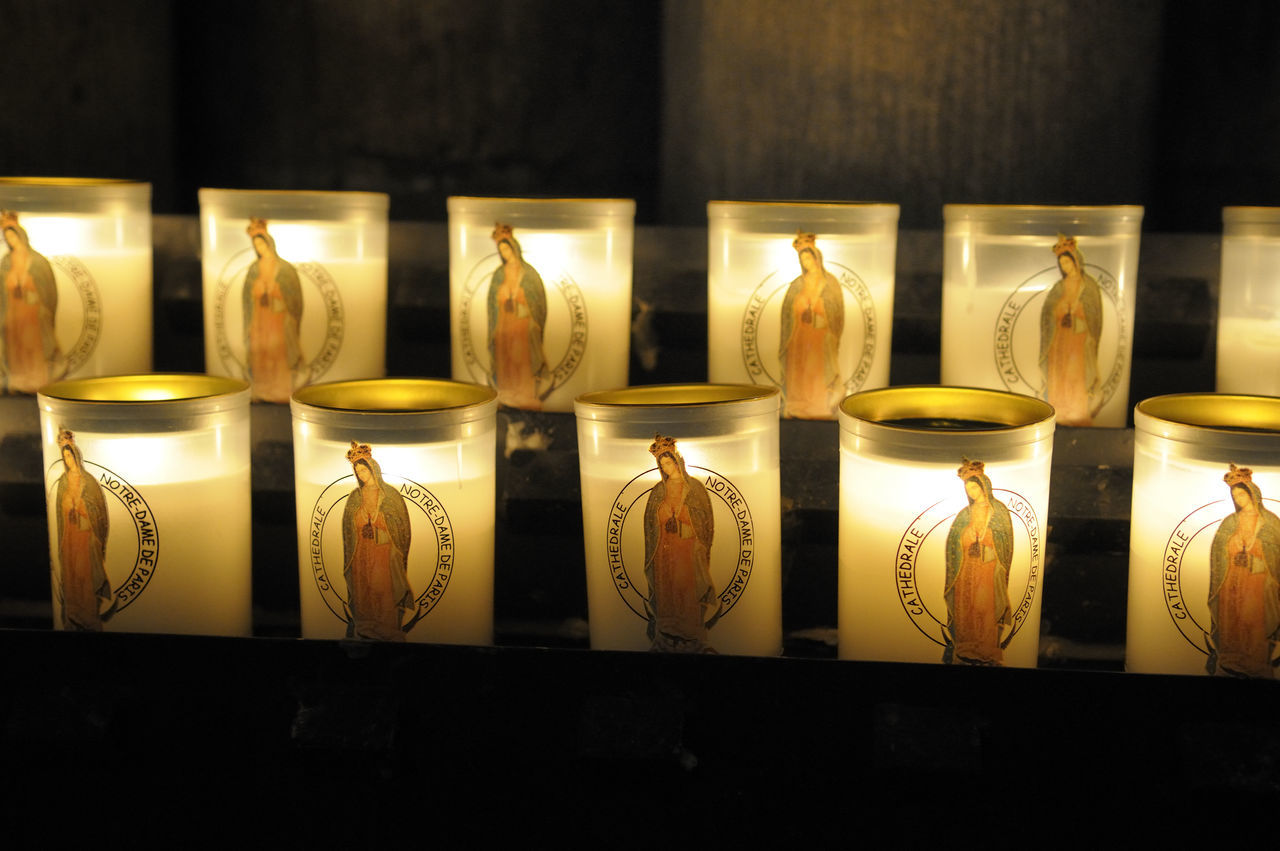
x=272 y=302
x=375 y=553
x=27 y=308
x=1070 y=326
x=812 y=322
x=517 y=310
x=82 y=542
x=682 y=604
x=1244 y=584
x=979 y=552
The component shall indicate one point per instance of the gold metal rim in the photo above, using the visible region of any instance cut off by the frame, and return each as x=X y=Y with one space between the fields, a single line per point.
x=1224 y=412
x=989 y=211
x=395 y=395
x=676 y=395
x=1001 y=410
x=69 y=181
x=300 y=193
x=153 y=388
x=819 y=205
x=485 y=198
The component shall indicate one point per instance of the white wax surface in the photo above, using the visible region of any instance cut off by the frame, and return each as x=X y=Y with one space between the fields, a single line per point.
x=884 y=503
x=988 y=278
x=746 y=270
x=753 y=626
x=586 y=276
x=459 y=554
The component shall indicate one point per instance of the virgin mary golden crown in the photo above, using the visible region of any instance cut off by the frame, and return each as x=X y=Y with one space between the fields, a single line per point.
x=65 y=439
x=1238 y=475
x=501 y=232
x=804 y=240
x=359 y=452
x=1064 y=245
x=662 y=444
x=257 y=227
x=970 y=468
x=8 y=219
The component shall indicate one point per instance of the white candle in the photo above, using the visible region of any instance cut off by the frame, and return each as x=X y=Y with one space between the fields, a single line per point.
x=824 y=273
x=1204 y=538
x=295 y=287
x=926 y=473
x=540 y=295
x=1249 y=302
x=687 y=559
x=148 y=497
x=76 y=295
x=1016 y=315
x=395 y=485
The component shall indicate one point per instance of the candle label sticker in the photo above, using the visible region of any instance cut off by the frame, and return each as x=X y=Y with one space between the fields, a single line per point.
x=97 y=573
x=793 y=333
x=1221 y=579
x=506 y=337
x=666 y=562
x=50 y=312
x=289 y=327
x=968 y=568
x=393 y=535
x=1061 y=336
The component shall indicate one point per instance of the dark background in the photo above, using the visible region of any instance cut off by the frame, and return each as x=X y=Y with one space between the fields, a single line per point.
x=1168 y=104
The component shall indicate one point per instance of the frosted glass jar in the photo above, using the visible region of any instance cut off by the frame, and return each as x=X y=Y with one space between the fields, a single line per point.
x=800 y=297
x=682 y=519
x=540 y=296
x=1040 y=300
x=1249 y=302
x=944 y=493
x=394 y=480
x=295 y=287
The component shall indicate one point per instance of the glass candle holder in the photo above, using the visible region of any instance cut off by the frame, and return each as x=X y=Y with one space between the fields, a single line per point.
x=801 y=298
x=147 y=489
x=77 y=280
x=395 y=490
x=681 y=518
x=943 y=499
x=295 y=287
x=1204 y=539
x=540 y=296
x=1040 y=301
x=1249 y=302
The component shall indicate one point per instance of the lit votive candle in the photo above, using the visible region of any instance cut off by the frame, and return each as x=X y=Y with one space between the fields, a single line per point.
x=295 y=287
x=800 y=297
x=1204 y=539
x=1040 y=300
x=681 y=517
x=540 y=296
x=1249 y=301
x=943 y=497
x=76 y=296
x=395 y=491
x=147 y=489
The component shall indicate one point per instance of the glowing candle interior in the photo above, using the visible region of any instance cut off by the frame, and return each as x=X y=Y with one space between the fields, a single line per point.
x=833 y=293
x=943 y=500
x=1204 y=539
x=77 y=289
x=148 y=497
x=429 y=447
x=687 y=559
x=1040 y=301
x=295 y=287
x=1249 y=302
x=540 y=296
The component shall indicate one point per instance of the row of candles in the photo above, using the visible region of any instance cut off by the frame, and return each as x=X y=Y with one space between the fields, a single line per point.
x=1038 y=302
x=943 y=494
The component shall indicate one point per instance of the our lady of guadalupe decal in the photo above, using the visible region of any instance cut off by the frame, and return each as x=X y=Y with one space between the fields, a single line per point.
x=516 y=313
x=78 y=497
x=1080 y=322
x=272 y=351
x=1238 y=629
x=379 y=552
x=989 y=565
x=812 y=324
x=30 y=354
x=688 y=581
